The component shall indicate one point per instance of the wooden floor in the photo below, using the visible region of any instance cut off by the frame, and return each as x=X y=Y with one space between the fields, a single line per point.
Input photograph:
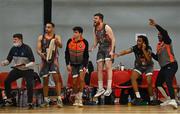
x=96 y=109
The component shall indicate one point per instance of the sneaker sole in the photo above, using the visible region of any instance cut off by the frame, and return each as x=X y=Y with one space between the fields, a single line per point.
x=175 y=107
x=107 y=94
x=99 y=94
x=75 y=104
x=80 y=106
x=43 y=106
x=60 y=106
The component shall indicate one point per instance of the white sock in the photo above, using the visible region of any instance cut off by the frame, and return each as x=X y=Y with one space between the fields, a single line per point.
x=100 y=84
x=163 y=92
x=109 y=84
x=151 y=98
x=46 y=99
x=168 y=98
x=80 y=95
x=59 y=97
x=76 y=96
x=137 y=94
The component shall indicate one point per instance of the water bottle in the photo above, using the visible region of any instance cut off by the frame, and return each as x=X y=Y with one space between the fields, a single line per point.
x=21 y=99
x=118 y=67
x=129 y=100
x=102 y=100
x=90 y=94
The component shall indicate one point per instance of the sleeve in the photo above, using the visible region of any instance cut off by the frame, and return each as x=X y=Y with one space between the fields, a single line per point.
x=154 y=56
x=133 y=48
x=86 y=54
x=67 y=55
x=30 y=54
x=164 y=33
x=10 y=55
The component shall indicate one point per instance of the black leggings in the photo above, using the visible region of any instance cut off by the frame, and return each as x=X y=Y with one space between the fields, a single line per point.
x=166 y=74
x=16 y=74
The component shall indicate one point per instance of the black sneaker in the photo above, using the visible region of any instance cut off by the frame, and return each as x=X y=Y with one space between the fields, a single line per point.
x=10 y=102
x=138 y=102
x=30 y=106
x=154 y=102
x=2 y=105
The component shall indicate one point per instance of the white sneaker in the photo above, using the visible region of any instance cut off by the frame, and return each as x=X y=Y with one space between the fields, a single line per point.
x=173 y=103
x=59 y=103
x=80 y=104
x=46 y=103
x=76 y=102
x=108 y=92
x=99 y=92
x=165 y=103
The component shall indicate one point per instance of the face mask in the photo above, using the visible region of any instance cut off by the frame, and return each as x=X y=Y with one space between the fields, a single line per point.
x=16 y=44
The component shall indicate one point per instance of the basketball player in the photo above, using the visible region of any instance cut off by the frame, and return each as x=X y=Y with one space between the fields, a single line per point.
x=104 y=37
x=47 y=49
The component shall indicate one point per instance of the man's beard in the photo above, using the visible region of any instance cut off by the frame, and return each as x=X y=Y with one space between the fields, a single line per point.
x=96 y=24
x=48 y=31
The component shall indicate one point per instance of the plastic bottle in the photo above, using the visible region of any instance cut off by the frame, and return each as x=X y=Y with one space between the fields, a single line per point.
x=129 y=100
x=102 y=100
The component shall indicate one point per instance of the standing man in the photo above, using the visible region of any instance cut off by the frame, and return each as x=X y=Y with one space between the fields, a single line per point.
x=143 y=64
x=165 y=56
x=47 y=49
x=103 y=35
x=76 y=56
x=24 y=61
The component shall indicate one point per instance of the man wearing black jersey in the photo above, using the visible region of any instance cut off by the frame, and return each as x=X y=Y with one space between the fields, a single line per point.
x=24 y=60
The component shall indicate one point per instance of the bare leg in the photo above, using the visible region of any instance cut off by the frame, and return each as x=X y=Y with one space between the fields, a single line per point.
x=45 y=86
x=134 y=77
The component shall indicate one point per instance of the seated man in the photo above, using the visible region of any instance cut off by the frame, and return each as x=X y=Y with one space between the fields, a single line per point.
x=143 y=64
x=24 y=60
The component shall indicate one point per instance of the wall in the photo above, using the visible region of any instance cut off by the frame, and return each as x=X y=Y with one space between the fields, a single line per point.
x=126 y=17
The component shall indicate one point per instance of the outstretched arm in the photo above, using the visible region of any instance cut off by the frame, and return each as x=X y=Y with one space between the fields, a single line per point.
x=154 y=56
x=124 y=52
x=163 y=32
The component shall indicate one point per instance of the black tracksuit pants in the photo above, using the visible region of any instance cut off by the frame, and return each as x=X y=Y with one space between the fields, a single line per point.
x=166 y=74
x=16 y=74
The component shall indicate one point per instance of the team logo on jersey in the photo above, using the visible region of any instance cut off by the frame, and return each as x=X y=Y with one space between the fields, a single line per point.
x=80 y=45
x=22 y=54
x=15 y=53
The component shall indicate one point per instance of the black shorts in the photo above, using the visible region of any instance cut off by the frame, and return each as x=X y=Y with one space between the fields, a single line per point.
x=48 y=68
x=103 y=54
x=148 y=70
x=76 y=69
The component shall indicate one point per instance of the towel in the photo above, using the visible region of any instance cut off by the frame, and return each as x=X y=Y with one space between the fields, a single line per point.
x=50 y=50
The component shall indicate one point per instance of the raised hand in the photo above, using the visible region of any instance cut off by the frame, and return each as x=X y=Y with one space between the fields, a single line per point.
x=152 y=22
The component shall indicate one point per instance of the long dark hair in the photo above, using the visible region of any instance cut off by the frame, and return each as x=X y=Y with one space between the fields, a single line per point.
x=145 y=40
